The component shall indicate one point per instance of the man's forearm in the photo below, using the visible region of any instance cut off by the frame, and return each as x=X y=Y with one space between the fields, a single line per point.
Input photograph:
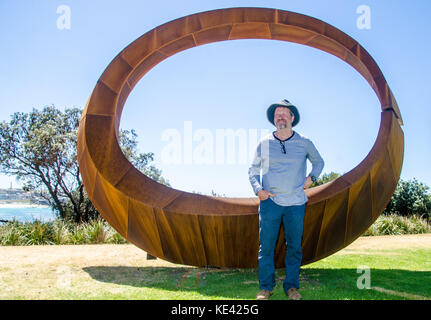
x=254 y=181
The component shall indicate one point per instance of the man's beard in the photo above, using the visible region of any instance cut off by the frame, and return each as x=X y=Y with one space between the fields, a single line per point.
x=281 y=124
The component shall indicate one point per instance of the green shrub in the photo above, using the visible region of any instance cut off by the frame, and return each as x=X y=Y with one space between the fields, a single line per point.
x=95 y=231
x=10 y=235
x=395 y=225
x=410 y=198
x=116 y=238
x=98 y=231
x=61 y=232
x=58 y=231
x=28 y=233
x=39 y=233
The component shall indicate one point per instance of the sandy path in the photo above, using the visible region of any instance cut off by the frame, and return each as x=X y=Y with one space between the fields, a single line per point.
x=74 y=255
x=392 y=242
x=130 y=255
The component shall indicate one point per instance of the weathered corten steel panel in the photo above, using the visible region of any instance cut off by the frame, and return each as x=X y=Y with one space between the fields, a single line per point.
x=200 y=230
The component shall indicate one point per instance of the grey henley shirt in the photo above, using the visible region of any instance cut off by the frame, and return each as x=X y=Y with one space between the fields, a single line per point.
x=284 y=174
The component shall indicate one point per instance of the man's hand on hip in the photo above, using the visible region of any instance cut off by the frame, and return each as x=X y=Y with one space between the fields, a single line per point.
x=263 y=194
x=308 y=182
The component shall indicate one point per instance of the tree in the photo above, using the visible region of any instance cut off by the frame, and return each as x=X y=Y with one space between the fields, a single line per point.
x=410 y=198
x=39 y=148
x=141 y=161
x=325 y=178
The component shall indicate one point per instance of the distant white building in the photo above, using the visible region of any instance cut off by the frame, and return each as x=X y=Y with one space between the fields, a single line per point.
x=19 y=195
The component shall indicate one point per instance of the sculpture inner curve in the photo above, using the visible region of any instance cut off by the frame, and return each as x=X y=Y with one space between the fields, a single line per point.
x=199 y=230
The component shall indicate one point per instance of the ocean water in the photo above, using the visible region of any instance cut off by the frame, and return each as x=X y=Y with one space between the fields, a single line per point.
x=27 y=214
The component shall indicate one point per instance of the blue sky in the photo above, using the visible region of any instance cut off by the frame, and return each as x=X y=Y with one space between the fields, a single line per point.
x=225 y=85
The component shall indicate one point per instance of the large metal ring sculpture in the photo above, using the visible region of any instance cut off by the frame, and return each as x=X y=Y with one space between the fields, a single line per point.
x=201 y=230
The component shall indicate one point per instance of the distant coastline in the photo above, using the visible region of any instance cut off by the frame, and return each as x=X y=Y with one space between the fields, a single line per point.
x=19 y=198
x=21 y=204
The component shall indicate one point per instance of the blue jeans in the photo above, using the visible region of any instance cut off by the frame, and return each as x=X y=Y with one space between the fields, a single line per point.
x=270 y=217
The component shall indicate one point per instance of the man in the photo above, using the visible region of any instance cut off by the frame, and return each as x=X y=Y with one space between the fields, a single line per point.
x=282 y=158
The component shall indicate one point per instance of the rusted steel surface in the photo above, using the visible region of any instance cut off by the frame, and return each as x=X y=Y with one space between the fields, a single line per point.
x=200 y=230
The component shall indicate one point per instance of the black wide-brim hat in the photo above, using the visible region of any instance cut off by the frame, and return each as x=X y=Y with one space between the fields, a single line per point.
x=284 y=103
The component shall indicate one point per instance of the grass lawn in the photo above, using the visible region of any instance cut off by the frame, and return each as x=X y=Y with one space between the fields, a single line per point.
x=122 y=272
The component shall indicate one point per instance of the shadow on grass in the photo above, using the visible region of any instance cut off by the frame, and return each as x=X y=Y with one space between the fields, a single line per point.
x=316 y=283
x=210 y=282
